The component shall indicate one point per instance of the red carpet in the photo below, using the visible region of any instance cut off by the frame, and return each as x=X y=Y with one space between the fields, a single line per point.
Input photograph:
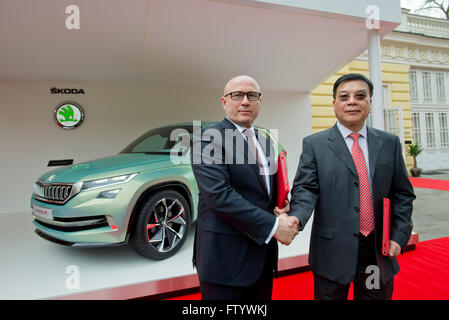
x=430 y=183
x=424 y=275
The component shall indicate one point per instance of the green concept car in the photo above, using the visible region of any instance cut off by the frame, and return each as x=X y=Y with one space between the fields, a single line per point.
x=146 y=195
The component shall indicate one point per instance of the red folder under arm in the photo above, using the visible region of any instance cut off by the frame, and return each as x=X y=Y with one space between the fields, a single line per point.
x=386 y=227
x=282 y=180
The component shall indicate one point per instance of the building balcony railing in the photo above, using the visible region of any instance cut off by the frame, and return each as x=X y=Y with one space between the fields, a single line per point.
x=428 y=26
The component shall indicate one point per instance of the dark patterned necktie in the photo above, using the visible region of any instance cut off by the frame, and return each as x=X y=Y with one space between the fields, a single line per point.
x=253 y=149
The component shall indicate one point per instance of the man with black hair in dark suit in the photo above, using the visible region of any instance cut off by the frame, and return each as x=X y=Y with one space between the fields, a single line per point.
x=343 y=175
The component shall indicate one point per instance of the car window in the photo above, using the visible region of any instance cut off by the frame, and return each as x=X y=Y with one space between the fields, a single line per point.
x=158 y=140
x=152 y=143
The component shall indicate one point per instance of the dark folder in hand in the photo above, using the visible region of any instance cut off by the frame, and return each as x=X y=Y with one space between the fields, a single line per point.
x=386 y=227
x=282 y=180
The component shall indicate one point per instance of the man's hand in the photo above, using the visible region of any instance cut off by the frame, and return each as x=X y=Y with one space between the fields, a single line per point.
x=287 y=229
x=285 y=209
x=395 y=249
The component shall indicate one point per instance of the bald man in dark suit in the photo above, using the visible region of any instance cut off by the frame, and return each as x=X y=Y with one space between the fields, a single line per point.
x=235 y=249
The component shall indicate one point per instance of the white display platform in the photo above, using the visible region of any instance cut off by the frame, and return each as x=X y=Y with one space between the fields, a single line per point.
x=34 y=268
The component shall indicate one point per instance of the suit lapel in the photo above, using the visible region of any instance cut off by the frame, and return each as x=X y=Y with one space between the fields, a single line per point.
x=374 y=146
x=252 y=164
x=338 y=145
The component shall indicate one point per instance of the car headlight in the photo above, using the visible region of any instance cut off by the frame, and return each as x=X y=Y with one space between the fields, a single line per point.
x=110 y=194
x=106 y=182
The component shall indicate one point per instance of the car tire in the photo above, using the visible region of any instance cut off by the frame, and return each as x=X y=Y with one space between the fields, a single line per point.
x=161 y=225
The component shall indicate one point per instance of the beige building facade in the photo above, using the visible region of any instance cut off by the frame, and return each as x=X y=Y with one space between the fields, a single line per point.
x=415 y=88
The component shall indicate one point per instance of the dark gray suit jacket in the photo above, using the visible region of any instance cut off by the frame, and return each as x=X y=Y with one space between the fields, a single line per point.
x=235 y=213
x=327 y=182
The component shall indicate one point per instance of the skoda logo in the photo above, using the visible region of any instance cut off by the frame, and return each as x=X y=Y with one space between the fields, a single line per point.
x=69 y=115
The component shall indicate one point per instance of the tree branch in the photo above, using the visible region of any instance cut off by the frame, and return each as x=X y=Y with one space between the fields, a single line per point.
x=434 y=4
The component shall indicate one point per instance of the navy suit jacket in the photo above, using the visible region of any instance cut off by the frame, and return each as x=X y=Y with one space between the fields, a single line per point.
x=235 y=212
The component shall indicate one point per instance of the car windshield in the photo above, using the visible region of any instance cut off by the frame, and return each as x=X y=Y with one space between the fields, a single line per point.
x=161 y=140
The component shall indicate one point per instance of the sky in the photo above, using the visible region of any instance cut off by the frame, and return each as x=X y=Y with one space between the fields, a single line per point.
x=414 y=4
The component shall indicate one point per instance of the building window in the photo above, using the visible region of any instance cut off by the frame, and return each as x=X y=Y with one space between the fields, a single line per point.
x=413 y=87
x=427 y=87
x=444 y=132
x=386 y=96
x=441 y=94
x=369 y=120
x=430 y=130
x=391 y=121
x=416 y=128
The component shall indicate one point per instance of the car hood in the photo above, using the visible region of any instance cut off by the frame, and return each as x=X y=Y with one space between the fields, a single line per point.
x=106 y=167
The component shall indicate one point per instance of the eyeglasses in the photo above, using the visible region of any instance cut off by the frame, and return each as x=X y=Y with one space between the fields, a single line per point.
x=358 y=96
x=239 y=95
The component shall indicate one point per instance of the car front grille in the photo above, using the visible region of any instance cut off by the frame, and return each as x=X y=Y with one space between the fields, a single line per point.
x=56 y=193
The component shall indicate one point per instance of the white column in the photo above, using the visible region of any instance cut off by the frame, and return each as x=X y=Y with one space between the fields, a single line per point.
x=376 y=78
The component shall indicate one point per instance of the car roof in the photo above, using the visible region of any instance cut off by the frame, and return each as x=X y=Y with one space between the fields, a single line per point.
x=204 y=123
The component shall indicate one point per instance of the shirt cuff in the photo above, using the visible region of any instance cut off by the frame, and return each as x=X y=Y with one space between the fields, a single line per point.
x=273 y=230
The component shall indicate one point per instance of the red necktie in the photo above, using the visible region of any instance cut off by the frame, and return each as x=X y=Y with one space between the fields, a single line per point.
x=366 y=202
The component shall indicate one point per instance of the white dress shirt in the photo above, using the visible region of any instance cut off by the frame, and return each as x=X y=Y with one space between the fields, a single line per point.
x=363 y=143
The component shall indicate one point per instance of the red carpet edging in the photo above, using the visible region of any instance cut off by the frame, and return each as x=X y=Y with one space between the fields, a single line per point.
x=430 y=183
x=424 y=275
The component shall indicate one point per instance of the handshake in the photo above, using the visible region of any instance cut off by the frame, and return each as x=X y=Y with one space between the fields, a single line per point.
x=288 y=225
